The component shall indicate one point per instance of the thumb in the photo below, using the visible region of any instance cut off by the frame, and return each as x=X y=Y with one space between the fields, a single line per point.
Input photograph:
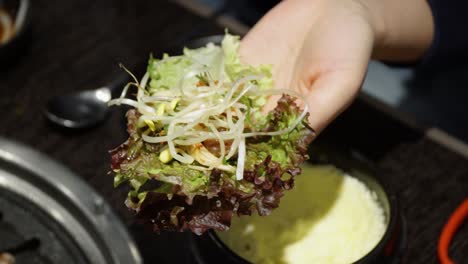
x=329 y=95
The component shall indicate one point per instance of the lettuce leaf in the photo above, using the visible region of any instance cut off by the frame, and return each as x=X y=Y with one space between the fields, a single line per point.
x=208 y=200
x=235 y=69
x=168 y=195
x=167 y=74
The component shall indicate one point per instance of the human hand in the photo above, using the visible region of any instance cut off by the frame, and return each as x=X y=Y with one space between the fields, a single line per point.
x=321 y=48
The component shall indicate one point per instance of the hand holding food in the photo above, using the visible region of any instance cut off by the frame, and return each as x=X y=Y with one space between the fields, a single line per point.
x=321 y=48
x=200 y=150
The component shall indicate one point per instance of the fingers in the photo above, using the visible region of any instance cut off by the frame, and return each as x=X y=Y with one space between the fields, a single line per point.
x=331 y=69
x=279 y=34
x=329 y=95
x=324 y=59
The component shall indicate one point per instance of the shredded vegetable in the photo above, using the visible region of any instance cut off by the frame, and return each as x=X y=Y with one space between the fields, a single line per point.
x=202 y=102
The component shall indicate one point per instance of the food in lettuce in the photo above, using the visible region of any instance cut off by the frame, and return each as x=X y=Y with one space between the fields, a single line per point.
x=200 y=150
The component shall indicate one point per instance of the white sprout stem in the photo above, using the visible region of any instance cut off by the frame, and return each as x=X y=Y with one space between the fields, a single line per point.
x=222 y=145
x=152 y=99
x=249 y=86
x=142 y=85
x=125 y=89
x=182 y=158
x=238 y=83
x=240 y=160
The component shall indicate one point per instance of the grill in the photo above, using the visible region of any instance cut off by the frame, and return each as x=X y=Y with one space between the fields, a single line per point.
x=31 y=236
x=48 y=215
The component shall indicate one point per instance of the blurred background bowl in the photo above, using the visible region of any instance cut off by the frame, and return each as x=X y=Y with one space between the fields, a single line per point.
x=15 y=21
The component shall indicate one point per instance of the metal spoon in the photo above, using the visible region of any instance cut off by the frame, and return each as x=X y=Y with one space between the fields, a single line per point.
x=85 y=108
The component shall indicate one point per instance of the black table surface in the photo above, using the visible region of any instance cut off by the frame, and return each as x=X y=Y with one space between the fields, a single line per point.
x=76 y=45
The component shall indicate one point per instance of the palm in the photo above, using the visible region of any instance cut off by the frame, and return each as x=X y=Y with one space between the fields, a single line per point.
x=325 y=60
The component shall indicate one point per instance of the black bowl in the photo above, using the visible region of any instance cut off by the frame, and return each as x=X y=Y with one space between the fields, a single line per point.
x=20 y=12
x=209 y=248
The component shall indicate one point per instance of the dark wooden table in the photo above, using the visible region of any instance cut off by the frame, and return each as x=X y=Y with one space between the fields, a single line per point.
x=76 y=45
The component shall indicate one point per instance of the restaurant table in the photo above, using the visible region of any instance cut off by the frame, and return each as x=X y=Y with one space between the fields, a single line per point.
x=77 y=45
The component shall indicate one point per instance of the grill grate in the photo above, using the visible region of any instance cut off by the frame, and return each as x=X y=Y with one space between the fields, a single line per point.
x=31 y=236
x=50 y=216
